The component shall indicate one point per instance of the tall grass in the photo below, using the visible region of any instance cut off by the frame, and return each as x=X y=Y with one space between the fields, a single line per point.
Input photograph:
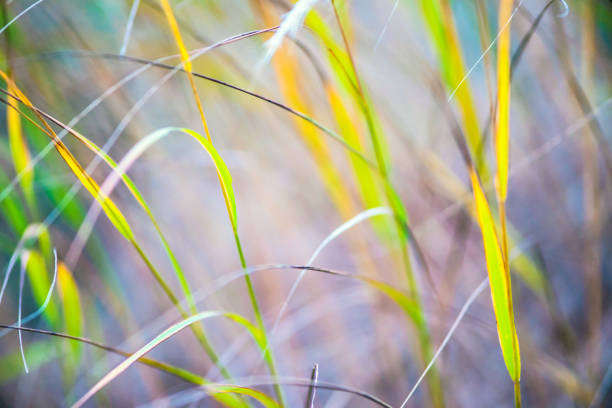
x=319 y=191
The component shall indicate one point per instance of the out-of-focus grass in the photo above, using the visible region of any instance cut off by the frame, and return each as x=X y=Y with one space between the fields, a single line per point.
x=479 y=132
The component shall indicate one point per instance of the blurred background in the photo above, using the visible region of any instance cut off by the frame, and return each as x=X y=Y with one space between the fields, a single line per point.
x=419 y=76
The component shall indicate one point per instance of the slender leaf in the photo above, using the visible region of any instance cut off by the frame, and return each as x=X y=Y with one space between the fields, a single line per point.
x=499 y=278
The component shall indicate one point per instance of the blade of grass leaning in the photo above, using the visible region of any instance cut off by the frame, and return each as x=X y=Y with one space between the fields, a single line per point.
x=225 y=180
x=499 y=278
x=497 y=267
x=228 y=195
x=369 y=187
x=116 y=217
x=230 y=204
x=223 y=395
x=185 y=59
x=133 y=190
x=255 y=332
x=111 y=210
x=522 y=265
x=141 y=201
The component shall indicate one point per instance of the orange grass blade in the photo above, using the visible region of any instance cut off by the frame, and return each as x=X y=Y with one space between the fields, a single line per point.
x=110 y=209
x=185 y=59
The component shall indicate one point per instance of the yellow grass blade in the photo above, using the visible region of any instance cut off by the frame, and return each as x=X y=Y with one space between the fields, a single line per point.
x=441 y=27
x=259 y=396
x=502 y=128
x=287 y=70
x=499 y=277
x=71 y=303
x=184 y=59
x=452 y=187
x=368 y=183
x=20 y=153
x=40 y=282
x=109 y=207
x=225 y=178
x=131 y=186
x=115 y=215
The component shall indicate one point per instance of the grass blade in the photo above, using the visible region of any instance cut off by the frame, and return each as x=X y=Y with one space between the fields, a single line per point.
x=502 y=128
x=499 y=278
x=185 y=59
x=165 y=335
x=71 y=304
x=20 y=154
x=225 y=180
x=42 y=288
x=226 y=399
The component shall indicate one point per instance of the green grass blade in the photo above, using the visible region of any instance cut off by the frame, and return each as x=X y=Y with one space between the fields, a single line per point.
x=165 y=335
x=499 y=278
x=71 y=304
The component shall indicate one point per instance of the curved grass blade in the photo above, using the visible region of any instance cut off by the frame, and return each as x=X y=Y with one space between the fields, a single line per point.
x=228 y=194
x=225 y=180
x=225 y=177
x=103 y=198
x=224 y=398
x=257 y=395
x=133 y=190
x=111 y=210
x=165 y=335
x=338 y=138
x=362 y=216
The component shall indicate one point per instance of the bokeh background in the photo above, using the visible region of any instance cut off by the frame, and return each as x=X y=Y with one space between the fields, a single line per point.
x=294 y=185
